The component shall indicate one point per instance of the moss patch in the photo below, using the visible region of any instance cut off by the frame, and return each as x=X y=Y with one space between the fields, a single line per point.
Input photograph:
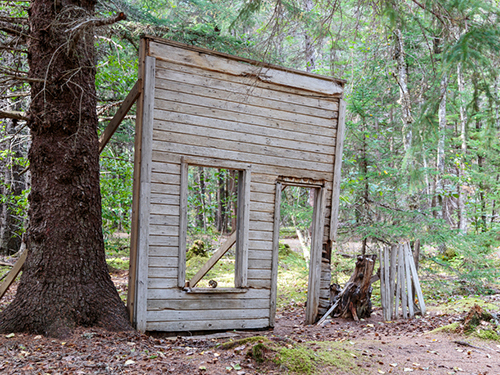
x=311 y=357
x=248 y=340
x=465 y=304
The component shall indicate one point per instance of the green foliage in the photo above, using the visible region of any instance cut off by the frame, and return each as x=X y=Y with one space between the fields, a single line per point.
x=197 y=249
x=116 y=192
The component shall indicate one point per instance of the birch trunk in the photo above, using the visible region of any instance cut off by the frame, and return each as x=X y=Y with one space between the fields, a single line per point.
x=440 y=148
x=462 y=215
x=404 y=94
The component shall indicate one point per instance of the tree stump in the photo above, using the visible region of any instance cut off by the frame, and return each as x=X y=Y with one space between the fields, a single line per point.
x=355 y=299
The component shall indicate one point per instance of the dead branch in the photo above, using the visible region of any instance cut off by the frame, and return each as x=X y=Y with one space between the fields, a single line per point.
x=13 y=115
x=15 y=95
x=102 y=119
x=98 y=22
x=13 y=29
x=14 y=20
x=12 y=49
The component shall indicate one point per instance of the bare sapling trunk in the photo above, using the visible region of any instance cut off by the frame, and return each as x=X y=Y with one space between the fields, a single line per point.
x=65 y=282
x=462 y=215
x=404 y=93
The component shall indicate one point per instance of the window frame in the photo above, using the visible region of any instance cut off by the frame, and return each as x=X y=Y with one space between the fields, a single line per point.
x=242 y=219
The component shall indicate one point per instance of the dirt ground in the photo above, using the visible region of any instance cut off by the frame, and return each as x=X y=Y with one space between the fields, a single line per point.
x=376 y=347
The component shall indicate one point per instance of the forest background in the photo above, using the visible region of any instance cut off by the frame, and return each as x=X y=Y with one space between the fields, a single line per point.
x=421 y=156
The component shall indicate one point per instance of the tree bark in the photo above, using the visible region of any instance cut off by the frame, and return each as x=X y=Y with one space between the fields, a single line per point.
x=65 y=282
x=354 y=301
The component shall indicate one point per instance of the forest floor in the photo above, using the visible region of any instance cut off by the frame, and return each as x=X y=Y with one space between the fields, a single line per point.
x=339 y=346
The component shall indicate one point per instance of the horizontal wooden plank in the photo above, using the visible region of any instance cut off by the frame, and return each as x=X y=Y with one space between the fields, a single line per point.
x=170 y=241
x=172 y=81
x=165 y=167
x=259 y=283
x=209 y=314
x=259 y=274
x=170 y=199
x=193 y=113
x=162 y=272
x=260 y=254
x=167 y=100
x=263 y=197
x=164 y=230
x=211 y=147
x=159 y=188
x=260 y=226
x=163 y=261
x=195 y=325
x=270 y=171
x=214 y=304
x=276 y=75
x=164 y=220
x=164 y=209
x=261 y=216
x=263 y=153
x=165 y=178
x=260 y=245
x=238 y=84
x=178 y=294
x=163 y=251
x=262 y=264
x=260 y=236
x=242 y=133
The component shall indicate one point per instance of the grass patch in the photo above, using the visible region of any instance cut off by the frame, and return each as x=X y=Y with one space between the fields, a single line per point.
x=449 y=328
x=118 y=263
x=293 y=273
x=459 y=304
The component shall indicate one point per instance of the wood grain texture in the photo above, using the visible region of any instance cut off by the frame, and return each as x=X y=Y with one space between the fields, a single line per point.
x=334 y=217
x=237 y=66
x=145 y=185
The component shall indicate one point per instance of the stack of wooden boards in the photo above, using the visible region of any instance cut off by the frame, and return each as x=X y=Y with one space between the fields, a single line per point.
x=399 y=283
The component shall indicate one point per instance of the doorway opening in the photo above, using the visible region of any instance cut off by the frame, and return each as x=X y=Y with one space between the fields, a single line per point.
x=296 y=213
x=302 y=207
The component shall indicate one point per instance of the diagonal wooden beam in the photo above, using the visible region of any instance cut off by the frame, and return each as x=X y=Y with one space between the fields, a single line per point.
x=129 y=101
x=13 y=273
x=214 y=259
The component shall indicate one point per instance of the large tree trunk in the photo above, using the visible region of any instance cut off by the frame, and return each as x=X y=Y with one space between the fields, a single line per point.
x=65 y=282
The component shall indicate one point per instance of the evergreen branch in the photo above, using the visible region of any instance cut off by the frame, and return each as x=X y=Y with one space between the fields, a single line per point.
x=438 y=16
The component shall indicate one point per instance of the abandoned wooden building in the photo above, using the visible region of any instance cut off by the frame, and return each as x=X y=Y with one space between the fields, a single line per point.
x=274 y=127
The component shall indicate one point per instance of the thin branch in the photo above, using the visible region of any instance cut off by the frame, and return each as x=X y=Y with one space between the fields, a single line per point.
x=14 y=20
x=438 y=16
x=12 y=49
x=13 y=115
x=15 y=95
x=98 y=22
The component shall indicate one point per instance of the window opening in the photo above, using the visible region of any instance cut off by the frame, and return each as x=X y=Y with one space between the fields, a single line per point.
x=215 y=245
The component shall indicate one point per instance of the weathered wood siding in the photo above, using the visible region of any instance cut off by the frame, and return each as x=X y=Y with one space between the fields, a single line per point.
x=208 y=107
